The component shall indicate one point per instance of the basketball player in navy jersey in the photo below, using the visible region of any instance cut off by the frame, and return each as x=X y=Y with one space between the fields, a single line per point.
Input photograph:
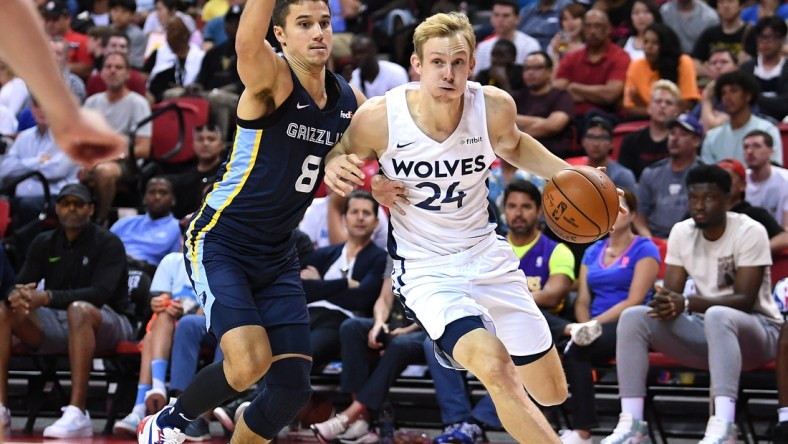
x=458 y=279
x=240 y=253
x=82 y=134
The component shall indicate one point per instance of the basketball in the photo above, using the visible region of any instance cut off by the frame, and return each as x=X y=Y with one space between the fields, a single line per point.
x=580 y=204
x=317 y=409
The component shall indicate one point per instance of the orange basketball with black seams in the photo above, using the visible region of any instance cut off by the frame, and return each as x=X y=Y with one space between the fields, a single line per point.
x=580 y=204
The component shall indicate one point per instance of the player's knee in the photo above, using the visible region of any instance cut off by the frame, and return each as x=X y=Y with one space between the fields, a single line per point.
x=242 y=373
x=551 y=394
x=287 y=390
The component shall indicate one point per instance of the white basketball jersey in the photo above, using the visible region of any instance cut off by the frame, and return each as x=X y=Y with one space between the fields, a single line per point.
x=446 y=181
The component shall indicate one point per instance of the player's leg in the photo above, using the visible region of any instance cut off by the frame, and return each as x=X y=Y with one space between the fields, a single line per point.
x=544 y=378
x=484 y=355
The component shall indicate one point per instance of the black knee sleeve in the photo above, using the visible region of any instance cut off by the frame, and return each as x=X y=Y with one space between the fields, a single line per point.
x=286 y=389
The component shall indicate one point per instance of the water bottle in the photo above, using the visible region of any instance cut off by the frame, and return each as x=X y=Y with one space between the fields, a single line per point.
x=386 y=423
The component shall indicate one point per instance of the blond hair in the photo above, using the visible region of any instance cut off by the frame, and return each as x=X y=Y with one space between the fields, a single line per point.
x=666 y=85
x=443 y=25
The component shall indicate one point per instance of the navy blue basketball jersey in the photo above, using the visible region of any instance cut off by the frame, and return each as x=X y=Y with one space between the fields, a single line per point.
x=275 y=167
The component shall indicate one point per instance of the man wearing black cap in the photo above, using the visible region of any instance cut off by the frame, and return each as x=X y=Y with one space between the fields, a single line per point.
x=598 y=144
x=71 y=296
x=57 y=19
x=662 y=195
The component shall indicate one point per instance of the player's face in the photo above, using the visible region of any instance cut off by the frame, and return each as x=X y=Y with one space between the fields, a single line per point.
x=597 y=143
x=159 y=197
x=663 y=106
x=756 y=152
x=307 y=36
x=446 y=66
x=522 y=213
x=360 y=219
x=707 y=204
x=207 y=145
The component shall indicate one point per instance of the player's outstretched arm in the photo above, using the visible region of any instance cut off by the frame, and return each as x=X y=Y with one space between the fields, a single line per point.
x=513 y=145
x=83 y=135
x=366 y=137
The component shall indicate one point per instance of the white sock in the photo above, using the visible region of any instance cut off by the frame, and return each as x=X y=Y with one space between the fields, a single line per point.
x=725 y=408
x=139 y=410
x=633 y=406
x=782 y=414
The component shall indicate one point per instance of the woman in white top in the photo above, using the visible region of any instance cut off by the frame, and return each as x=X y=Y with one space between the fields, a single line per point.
x=13 y=91
x=644 y=13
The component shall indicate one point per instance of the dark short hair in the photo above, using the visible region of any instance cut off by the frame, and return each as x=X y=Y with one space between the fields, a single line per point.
x=115 y=33
x=121 y=55
x=744 y=80
x=652 y=8
x=710 y=174
x=774 y=23
x=767 y=138
x=282 y=8
x=163 y=179
x=548 y=61
x=511 y=3
x=726 y=50
x=128 y=5
x=523 y=186
x=361 y=194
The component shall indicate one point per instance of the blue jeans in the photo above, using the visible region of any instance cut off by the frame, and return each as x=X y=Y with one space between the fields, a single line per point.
x=453 y=398
x=372 y=387
x=190 y=336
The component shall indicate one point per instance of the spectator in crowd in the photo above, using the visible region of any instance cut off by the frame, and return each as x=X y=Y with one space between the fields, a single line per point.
x=504 y=72
x=219 y=77
x=122 y=108
x=598 y=144
x=543 y=111
x=767 y=185
x=342 y=281
x=738 y=92
x=617 y=273
x=7 y=281
x=189 y=186
x=372 y=76
x=710 y=111
x=8 y=126
x=57 y=19
x=618 y=12
x=97 y=44
x=156 y=24
x=172 y=298
x=149 y=237
x=75 y=84
x=594 y=75
x=394 y=342
x=175 y=65
x=13 y=91
x=502 y=175
x=82 y=307
x=122 y=14
x=35 y=150
x=778 y=236
x=662 y=194
x=212 y=9
x=118 y=42
x=214 y=32
x=727 y=324
x=781 y=429
x=689 y=18
x=570 y=37
x=663 y=60
x=769 y=67
x=649 y=144
x=504 y=22
x=764 y=8
x=549 y=268
x=728 y=34
x=541 y=20
x=644 y=13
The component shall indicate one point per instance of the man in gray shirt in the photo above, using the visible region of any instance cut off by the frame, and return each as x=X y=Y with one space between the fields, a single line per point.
x=662 y=194
x=689 y=18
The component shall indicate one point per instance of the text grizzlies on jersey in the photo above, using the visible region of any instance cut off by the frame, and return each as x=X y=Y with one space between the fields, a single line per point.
x=311 y=134
x=439 y=168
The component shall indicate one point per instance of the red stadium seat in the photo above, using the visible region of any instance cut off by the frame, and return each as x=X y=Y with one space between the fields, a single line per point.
x=783 y=127
x=662 y=245
x=779 y=268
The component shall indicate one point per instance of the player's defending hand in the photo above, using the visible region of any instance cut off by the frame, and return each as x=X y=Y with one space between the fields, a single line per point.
x=342 y=172
x=390 y=193
x=88 y=139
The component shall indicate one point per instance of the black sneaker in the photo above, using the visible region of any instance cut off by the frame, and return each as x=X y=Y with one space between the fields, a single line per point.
x=226 y=414
x=198 y=430
x=781 y=433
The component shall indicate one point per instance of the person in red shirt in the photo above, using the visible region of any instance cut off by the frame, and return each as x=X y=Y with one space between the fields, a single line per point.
x=57 y=19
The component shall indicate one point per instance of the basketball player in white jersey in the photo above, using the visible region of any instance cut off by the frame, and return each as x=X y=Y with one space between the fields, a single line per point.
x=454 y=276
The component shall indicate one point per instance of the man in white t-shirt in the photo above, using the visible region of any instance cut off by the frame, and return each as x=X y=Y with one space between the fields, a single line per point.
x=767 y=185
x=373 y=77
x=729 y=324
x=505 y=17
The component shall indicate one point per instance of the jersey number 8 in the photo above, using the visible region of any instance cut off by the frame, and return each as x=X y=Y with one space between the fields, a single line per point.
x=309 y=171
